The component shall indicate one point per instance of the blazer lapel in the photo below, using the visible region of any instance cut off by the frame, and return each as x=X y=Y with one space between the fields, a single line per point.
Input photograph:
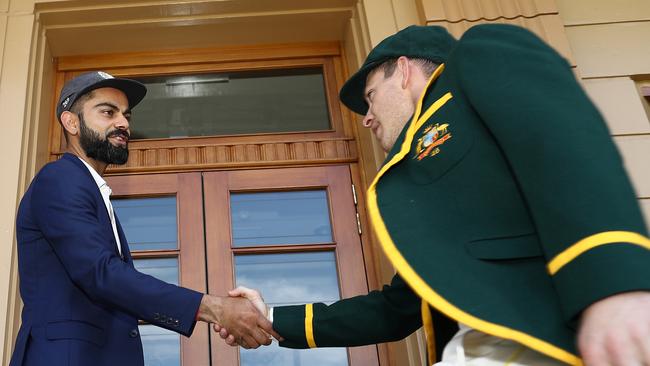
x=125 y=247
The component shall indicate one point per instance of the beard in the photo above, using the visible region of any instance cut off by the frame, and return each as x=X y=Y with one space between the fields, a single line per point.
x=101 y=149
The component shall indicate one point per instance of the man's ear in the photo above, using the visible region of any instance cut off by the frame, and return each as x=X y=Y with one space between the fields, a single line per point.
x=70 y=122
x=404 y=68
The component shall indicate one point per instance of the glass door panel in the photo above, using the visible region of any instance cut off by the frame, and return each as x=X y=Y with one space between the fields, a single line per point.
x=165 y=269
x=150 y=223
x=289 y=217
x=289 y=279
x=161 y=346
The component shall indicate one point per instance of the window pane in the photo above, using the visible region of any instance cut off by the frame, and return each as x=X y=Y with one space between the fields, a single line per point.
x=232 y=103
x=148 y=223
x=286 y=279
x=266 y=218
x=165 y=269
x=161 y=347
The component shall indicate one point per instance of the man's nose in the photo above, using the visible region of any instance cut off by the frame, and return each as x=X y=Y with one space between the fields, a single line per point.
x=122 y=122
x=368 y=119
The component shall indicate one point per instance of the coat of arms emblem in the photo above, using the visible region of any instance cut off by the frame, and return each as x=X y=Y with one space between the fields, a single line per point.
x=431 y=139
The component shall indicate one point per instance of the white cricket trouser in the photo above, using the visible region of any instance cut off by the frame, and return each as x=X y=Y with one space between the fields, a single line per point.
x=469 y=347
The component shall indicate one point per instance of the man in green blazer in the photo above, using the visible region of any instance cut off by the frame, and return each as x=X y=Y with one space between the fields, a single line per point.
x=503 y=204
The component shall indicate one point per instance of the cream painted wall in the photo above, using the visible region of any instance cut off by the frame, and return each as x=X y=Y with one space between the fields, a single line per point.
x=17 y=25
x=609 y=40
x=619 y=102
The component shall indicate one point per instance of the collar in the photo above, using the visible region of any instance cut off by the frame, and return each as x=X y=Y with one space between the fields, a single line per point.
x=98 y=178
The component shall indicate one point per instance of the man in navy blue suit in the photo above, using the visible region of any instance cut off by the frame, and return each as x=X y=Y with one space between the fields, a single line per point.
x=82 y=295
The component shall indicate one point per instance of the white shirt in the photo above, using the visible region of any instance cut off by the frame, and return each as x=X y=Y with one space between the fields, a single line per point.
x=106 y=191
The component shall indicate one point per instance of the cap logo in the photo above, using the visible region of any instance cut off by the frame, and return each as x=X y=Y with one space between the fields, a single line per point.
x=105 y=75
x=65 y=102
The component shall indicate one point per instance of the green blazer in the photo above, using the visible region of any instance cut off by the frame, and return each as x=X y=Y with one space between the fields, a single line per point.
x=504 y=203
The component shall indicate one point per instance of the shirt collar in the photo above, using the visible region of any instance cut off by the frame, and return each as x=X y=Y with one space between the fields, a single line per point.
x=98 y=178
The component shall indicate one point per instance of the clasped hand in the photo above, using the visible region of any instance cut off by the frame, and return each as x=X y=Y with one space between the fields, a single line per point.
x=244 y=318
x=255 y=298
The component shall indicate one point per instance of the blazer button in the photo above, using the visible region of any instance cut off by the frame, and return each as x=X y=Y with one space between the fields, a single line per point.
x=177 y=323
x=133 y=333
x=156 y=316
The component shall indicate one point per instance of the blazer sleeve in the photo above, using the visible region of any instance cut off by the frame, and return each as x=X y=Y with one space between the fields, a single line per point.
x=380 y=316
x=64 y=208
x=563 y=159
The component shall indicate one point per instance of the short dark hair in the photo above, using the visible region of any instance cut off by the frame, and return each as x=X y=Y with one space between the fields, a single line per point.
x=389 y=66
x=77 y=108
x=78 y=105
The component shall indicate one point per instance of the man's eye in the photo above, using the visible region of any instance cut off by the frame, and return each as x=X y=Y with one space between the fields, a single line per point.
x=107 y=112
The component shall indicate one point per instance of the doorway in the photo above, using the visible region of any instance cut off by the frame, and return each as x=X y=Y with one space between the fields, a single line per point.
x=289 y=232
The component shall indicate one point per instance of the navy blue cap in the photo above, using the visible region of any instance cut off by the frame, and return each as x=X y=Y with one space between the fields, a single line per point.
x=432 y=43
x=84 y=83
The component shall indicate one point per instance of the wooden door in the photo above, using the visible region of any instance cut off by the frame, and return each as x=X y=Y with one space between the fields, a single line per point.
x=263 y=229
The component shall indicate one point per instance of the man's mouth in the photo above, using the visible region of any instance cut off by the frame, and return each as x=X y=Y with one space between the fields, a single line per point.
x=121 y=136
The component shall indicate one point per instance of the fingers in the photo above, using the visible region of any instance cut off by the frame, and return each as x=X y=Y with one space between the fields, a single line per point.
x=615 y=331
x=258 y=338
x=267 y=326
x=249 y=342
x=223 y=333
x=231 y=340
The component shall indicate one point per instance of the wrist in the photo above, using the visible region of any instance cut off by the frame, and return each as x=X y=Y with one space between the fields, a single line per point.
x=210 y=309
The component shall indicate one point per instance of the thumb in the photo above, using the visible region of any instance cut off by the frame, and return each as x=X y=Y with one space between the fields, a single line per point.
x=248 y=293
x=239 y=291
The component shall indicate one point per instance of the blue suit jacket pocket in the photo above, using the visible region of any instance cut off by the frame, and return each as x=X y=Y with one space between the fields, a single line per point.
x=75 y=329
x=506 y=247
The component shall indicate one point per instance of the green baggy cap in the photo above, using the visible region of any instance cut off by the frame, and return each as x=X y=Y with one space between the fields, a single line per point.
x=428 y=42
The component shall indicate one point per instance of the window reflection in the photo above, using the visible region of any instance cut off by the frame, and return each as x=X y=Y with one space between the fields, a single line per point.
x=286 y=279
x=267 y=218
x=148 y=223
x=230 y=103
x=165 y=269
x=161 y=346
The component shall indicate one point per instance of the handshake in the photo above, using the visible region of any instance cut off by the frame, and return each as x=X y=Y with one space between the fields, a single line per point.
x=240 y=319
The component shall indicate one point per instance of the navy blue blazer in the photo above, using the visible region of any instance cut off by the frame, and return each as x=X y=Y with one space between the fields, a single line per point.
x=82 y=300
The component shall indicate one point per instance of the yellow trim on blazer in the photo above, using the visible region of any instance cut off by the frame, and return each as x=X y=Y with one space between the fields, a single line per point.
x=429 y=332
x=419 y=285
x=429 y=112
x=596 y=240
x=309 y=325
